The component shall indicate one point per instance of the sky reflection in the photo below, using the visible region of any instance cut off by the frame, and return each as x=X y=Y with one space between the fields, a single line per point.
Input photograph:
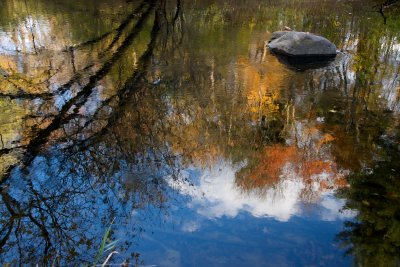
x=231 y=158
x=214 y=193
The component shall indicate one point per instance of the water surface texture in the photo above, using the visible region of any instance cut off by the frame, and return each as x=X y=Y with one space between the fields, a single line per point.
x=167 y=132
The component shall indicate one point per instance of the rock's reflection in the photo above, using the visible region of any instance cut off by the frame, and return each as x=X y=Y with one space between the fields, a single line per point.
x=302 y=64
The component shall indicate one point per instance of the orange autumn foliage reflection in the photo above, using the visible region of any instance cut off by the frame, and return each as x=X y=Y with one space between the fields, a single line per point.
x=271 y=162
x=277 y=159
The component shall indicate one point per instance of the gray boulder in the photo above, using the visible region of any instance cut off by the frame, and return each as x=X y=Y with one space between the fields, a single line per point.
x=301 y=44
x=278 y=34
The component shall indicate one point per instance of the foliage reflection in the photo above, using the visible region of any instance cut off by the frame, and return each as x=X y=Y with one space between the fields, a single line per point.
x=103 y=120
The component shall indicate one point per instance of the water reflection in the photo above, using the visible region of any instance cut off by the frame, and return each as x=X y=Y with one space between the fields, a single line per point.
x=215 y=193
x=302 y=64
x=373 y=238
x=47 y=219
x=167 y=106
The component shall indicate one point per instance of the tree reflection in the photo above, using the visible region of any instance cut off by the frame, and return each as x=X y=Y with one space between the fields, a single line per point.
x=55 y=206
x=374 y=237
x=98 y=125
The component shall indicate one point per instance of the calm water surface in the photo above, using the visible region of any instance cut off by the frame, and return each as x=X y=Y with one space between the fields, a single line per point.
x=169 y=131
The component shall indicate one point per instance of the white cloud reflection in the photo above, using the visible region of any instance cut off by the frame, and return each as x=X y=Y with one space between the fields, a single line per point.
x=190 y=226
x=215 y=194
x=332 y=209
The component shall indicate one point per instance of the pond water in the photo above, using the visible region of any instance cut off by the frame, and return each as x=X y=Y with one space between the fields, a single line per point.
x=167 y=132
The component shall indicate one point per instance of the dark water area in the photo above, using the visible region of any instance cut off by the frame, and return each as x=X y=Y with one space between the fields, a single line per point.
x=164 y=133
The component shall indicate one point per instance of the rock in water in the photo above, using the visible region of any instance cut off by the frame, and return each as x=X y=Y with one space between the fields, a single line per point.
x=277 y=34
x=301 y=44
